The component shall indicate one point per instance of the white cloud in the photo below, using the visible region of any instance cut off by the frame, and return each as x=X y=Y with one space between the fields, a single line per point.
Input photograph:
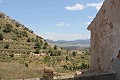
x=62 y=24
x=75 y=7
x=67 y=37
x=90 y=17
x=95 y=5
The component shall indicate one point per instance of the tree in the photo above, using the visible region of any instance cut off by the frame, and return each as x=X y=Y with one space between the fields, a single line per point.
x=1 y=36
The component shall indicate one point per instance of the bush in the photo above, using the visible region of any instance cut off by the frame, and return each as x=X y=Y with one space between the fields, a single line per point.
x=7 y=46
x=46 y=44
x=55 y=47
x=47 y=59
x=1 y=36
x=38 y=45
x=74 y=53
x=37 y=51
x=24 y=34
x=26 y=64
x=67 y=58
x=17 y=24
x=11 y=55
x=8 y=28
x=44 y=47
x=28 y=40
x=15 y=38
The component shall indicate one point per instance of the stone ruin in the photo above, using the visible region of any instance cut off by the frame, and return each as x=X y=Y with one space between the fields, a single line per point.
x=105 y=39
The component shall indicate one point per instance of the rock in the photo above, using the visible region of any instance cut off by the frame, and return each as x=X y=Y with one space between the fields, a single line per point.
x=48 y=73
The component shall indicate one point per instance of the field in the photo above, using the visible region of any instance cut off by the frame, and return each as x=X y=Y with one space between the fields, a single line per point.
x=31 y=66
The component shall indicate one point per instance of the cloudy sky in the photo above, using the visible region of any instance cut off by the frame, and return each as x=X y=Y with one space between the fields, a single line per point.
x=54 y=19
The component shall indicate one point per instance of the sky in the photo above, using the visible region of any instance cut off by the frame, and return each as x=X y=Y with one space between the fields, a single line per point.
x=54 y=19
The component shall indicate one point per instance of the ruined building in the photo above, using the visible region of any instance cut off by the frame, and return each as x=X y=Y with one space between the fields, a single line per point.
x=105 y=38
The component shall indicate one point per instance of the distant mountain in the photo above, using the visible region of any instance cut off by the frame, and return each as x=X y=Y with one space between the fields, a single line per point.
x=76 y=44
x=86 y=41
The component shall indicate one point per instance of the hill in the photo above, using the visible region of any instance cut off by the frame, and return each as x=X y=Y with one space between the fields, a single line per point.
x=71 y=45
x=16 y=38
x=24 y=54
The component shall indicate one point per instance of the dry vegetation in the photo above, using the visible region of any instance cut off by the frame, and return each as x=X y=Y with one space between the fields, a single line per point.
x=24 y=54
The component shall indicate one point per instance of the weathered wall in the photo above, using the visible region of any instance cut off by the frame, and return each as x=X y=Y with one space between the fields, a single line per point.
x=101 y=76
x=105 y=37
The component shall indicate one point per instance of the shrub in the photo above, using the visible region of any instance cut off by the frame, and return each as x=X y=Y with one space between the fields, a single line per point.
x=38 y=45
x=1 y=36
x=55 y=47
x=74 y=53
x=29 y=40
x=17 y=24
x=24 y=34
x=47 y=59
x=32 y=40
x=26 y=64
x=7 y=46
x=15 y=38
x=67 y=58
x=46 y=44
x=11 y=55
x=37 y=51
x=8 y=28
x=44 y=47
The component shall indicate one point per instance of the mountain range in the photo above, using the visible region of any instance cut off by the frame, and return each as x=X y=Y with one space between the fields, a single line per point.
x=76 y=44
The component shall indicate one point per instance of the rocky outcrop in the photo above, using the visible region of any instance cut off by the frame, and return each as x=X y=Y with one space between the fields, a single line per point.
x=105 y=37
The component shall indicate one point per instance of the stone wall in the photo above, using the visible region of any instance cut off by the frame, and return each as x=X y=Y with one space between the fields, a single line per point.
x=100 y=76
x=105 y=37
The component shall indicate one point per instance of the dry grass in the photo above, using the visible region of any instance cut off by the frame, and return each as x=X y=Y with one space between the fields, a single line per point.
x=15 y=70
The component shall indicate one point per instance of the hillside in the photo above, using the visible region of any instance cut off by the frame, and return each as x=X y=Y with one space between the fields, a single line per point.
x=71 y=45
x=16 y=38
x=24 y=54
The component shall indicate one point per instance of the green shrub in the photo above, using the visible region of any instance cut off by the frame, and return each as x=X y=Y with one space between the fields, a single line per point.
x=44 y=47
x=74 y=53
x=7 y=46
x=37 y=51
x=24 y=34
x=1 y=36
x=55 y=47
x=17 y=24
x=26 y=64
x=29 y=40
x=11 y=55
x=8 y=28
x=15 y=38
x=38 y=45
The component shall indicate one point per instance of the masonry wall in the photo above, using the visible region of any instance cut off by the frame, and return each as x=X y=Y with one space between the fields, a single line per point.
x=105 y=37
